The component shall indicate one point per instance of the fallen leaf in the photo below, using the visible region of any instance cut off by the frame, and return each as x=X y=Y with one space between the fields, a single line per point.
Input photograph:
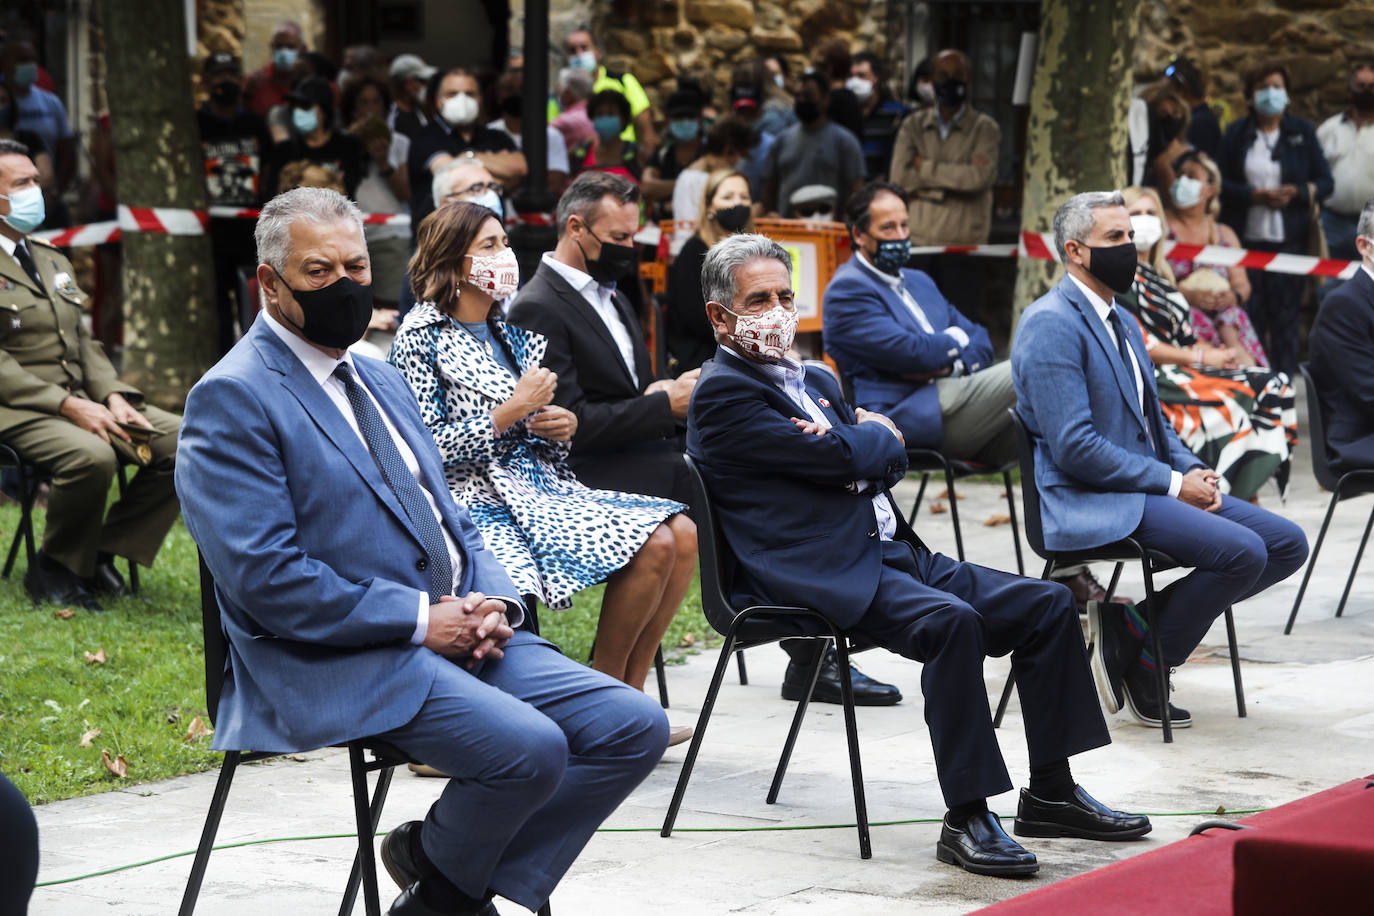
x=65 y=613
x=97 y=659
x=688 y=640
x=994 y=520
x=116 y=766
x=89 y=736
x=938 y=508
x=299 y=758
x=944 y=494
x=197 y=730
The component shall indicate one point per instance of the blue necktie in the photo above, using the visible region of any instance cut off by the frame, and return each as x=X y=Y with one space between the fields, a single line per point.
x=402 y=483
x=1148 y=404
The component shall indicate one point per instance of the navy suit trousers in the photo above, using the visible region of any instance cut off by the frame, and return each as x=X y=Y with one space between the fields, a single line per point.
x=950 y=615
x=1237 y=551
x=539 y=750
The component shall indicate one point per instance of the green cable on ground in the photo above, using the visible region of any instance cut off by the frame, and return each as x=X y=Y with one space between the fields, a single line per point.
x=774 y=828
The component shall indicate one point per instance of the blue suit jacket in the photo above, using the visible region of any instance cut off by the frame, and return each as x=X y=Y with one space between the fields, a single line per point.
x=1093 y=461
x=877 y=342
x=316 y=565
x=1342 y=367
x=798 y=533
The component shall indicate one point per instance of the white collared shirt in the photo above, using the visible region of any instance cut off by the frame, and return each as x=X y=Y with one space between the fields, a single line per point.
x=1103 y=309
x=898 y=286
x=9 y=245
x=321 y=367
x=1364 y=266
x=791 y=378
x=602 y=300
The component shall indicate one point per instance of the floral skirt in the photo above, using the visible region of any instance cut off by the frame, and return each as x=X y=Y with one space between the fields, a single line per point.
x=1207 y=327
x=1241 y=422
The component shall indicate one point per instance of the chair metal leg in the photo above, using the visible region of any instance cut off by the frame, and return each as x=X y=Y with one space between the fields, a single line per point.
x=1161 y=670
x=920 y=494
x=1015 y=528
x=700 y=732
x=1311 y=562
x=122 y=477
x=1116 y=577
x=207 y=834
x=544 y=910
x=384 y=774
x=802 y=704
x=1354 y=567
x=662 y=678
x=743 y=673
x=1235 y=663
x=14 y=545
x=851 y=727
x=954 y=513
x=363 y=811
x=1006 y=698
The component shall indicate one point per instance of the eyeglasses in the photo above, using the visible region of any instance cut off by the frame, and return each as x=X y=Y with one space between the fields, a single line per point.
x=474 y=189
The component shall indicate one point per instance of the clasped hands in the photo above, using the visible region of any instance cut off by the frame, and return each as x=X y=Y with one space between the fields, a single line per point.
x=532 y=401
x=100 y=419
x=1200 y=489
x=471 y=628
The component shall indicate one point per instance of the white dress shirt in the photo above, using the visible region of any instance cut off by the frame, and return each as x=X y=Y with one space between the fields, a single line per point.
x=601 y=298
x=1104 y=309
x=321 y=367
x=898 y=286
x=1263 y=224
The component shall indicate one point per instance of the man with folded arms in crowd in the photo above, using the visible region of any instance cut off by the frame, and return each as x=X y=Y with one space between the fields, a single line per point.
x=800 y=484
x=1109 y=466
x=359 y=600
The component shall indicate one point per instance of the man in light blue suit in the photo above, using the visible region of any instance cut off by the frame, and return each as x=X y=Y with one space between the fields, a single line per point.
x=908 y=352
x=1108 y=466
x=358 y=598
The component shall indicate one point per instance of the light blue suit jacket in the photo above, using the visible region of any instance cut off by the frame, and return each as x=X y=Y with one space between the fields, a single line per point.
x=317 y=568
x=1094 y=463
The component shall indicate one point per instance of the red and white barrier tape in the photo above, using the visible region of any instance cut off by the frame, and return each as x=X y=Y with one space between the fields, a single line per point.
x=172 y=221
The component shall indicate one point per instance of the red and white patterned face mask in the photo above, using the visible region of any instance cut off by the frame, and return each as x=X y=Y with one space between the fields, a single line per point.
x=498 y=276
x=768 y=335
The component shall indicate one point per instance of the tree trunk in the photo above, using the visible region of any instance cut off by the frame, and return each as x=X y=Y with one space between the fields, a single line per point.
x=1076 y=140
x=169 y=302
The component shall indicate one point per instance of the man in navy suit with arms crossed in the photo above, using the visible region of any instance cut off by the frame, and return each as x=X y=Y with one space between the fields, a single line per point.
x=358 y=598
x=800 y=484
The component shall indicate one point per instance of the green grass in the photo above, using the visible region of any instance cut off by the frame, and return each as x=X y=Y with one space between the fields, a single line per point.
x=152 y=684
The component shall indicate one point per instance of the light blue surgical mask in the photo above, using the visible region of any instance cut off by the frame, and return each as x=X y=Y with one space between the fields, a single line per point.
x=1271 y=100
x=583 y=61
x=778 y=80
x=685 y=131
x=283 y=58
x=1186 y=192
x=305 y=120
x=492 y=201
x=607 y=126
x=25 y=74
x=26 y=209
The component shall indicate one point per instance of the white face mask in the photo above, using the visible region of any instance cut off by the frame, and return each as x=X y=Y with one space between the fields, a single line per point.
x=767 y=335
x=1186 y=192
x=460 y=110
x=498 y=275
x=1148 y=230
x=861 y=87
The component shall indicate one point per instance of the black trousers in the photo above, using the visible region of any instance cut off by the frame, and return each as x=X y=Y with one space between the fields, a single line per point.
x=18 y=849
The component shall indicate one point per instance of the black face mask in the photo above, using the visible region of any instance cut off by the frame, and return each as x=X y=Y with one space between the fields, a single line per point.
x=226 y=95
x=950 y=92
x=336 y=315
x=807 y=111
x=1362 y=99
x=1167 y=127
x=614 y=262
x=1114 y=265
x=732 y=219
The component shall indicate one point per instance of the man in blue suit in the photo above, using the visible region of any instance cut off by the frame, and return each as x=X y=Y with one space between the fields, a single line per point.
x=358 y=599
x=1108 y=466
x=1342 y=365
x=908 y=352
x=800 y=485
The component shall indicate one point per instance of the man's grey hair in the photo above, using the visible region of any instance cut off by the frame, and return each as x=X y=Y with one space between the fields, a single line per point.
x=578 y=82
x=1073 y=221
x=1365 y=226
x=442 y=184
x=583 y=197
x=315 y=205
x=727 y=256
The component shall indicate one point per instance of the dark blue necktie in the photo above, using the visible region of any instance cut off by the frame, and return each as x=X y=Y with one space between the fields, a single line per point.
x=1148 y=404
x=401 y=481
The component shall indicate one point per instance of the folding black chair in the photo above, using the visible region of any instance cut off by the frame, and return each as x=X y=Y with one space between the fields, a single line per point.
x=29 y=478
x=1344 y=486
x=367 y=813
x=1126 y=550
x=757 y=626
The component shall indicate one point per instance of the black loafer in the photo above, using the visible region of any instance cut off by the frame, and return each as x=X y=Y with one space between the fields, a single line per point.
x=867 y=691
x=1084 y=817
x=398 y=855
x=983 y=847
x=48 y=580
x=107 y=581
x=410 y=903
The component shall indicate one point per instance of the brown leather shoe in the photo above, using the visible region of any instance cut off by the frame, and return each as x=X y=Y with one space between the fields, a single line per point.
x=1085 y=588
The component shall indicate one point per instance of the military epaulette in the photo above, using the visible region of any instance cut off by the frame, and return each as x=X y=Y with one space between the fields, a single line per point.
x=34 y=240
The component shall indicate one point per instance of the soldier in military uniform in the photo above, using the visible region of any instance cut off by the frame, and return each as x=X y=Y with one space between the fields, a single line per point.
x=63 y=409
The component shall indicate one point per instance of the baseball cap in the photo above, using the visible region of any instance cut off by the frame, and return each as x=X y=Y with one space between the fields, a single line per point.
x=743 y=95
x=406 y=66
x=219 y=62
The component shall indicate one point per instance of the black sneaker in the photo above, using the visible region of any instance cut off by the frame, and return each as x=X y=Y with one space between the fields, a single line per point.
x=1115 y=647
x=1142 y=699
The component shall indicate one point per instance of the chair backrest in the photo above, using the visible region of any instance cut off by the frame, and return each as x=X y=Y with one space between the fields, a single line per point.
x=1030 y=494
x=711 y=550
x=216 y=646
x=1316 y=433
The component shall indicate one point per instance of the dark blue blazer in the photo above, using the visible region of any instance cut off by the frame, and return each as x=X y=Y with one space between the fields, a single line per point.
x=1342 y=367
x=317 y=567
x=798 y=532
x=877 y=343
x=1301 y=162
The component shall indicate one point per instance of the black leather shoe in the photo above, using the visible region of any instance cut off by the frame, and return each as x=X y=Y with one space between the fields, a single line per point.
x=1115 y=647
x=48 y=580
x=867 y=692
x=107 y=581
x=410 y=903
x=983 y=847
x=1141 y=688
x=1084 y=817
x=399 y=857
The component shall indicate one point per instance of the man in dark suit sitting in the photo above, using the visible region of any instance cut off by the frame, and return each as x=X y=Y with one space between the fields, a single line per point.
x=627 y=420
x=1342 y=358
x=800 y=484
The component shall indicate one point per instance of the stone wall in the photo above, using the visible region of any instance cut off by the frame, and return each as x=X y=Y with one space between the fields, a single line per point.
x=1317 y=40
